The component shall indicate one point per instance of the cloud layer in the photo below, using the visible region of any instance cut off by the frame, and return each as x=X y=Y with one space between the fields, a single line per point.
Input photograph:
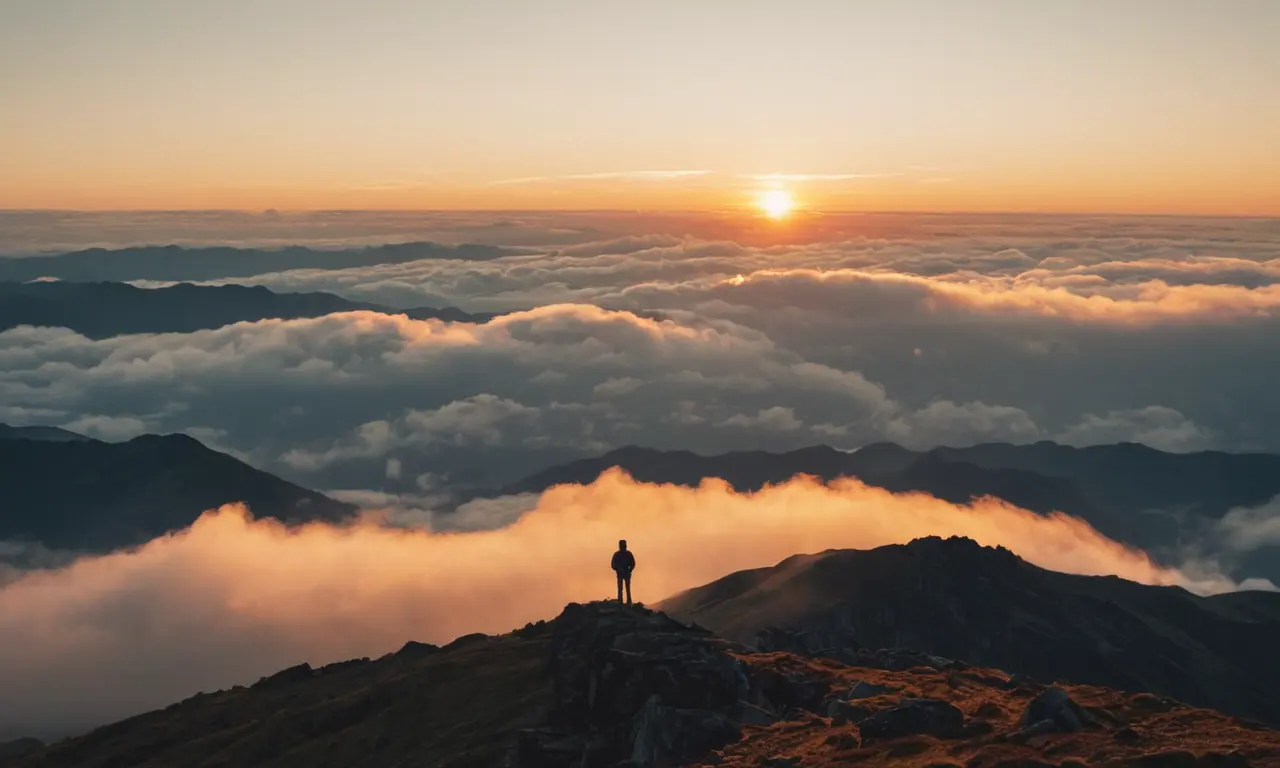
x=330 y=401
x=232 y=599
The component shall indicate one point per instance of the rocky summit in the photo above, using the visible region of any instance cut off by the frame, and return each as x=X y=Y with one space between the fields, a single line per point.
x=610 y=685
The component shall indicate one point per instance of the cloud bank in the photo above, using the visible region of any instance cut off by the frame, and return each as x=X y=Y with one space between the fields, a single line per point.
x=232 y=599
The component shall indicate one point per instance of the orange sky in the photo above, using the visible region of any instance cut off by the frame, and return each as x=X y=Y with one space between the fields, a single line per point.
x=1145 y=106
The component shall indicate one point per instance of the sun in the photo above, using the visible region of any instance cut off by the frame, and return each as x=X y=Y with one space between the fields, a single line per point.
x=776 y=203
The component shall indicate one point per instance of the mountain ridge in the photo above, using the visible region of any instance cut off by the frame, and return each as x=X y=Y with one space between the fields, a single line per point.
x=956 y=599
x=607 y=685
x=1132 y=493
x=97 y=496
x=101 y=310
x=175 y=262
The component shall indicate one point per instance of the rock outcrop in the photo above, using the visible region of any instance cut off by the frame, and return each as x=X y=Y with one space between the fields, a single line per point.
x=631 y=684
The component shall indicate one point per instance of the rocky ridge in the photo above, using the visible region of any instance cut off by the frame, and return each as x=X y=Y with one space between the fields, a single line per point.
x=611 y=685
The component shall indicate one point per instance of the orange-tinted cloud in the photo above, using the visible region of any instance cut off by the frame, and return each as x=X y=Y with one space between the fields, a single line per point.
x=233 y=598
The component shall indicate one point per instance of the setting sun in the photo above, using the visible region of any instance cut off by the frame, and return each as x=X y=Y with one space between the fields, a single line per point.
x=776 y=203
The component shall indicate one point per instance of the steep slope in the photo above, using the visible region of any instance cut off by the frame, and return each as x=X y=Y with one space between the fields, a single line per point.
x=98 y=496
x=956 y=599
x=102 y=310
x=607 y=685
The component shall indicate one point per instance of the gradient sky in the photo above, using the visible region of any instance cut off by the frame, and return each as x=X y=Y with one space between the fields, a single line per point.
x=1166 y=106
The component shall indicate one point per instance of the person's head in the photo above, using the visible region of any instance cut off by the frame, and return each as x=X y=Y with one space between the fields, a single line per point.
x=622 y=543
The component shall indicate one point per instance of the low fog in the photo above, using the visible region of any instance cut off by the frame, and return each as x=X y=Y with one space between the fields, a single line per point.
x=233 y=598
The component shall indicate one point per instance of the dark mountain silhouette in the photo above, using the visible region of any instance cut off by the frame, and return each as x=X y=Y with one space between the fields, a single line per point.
x=884 y=465
x=1122 y=478
x=95 y=496
x=172 y=262
x=956 y=599
x=607 y=685
x=1131 y=476
x=1132 y=493
x=49 y=434
x=102 y=310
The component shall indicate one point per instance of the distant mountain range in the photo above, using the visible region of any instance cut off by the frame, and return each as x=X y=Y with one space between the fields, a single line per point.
x=172 y=262
x=49 y=434
x=610 y=685
x=1139 y=495
x=101 y=310
x=86 y=495
x=955 y=599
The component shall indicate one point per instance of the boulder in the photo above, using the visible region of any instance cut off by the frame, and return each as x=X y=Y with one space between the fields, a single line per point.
x=842 y=712
x=911 y=717
x=1056 y=707
x=664 y=735
x=784 y=692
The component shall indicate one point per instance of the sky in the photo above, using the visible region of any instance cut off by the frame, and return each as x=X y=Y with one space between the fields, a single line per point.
x=1140 y=106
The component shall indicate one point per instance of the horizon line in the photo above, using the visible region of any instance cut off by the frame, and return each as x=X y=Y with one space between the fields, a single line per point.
x=743 y=209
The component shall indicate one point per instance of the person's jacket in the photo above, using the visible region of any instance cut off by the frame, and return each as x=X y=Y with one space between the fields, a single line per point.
x=623 y=561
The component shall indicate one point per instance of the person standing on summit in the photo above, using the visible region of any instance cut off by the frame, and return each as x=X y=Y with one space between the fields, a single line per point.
x=623 y=564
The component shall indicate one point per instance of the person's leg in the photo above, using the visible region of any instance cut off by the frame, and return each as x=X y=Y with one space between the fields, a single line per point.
x=619 y=587
x=628 y=580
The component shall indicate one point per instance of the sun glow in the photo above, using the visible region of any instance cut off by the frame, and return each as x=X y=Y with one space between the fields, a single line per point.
x=776 y=203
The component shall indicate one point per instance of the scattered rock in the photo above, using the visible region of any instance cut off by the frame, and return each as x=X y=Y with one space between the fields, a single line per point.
x=1058 y=708
x=1152 y=704
x=865 y=690
x=339 y=666
x=1127 y=735
x=842 y=712
x=785 y=692
x=913 y=716
x=532 y=629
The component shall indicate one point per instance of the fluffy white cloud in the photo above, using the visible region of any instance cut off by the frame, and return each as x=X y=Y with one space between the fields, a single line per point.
x=1162 y=428
x=1251 y=528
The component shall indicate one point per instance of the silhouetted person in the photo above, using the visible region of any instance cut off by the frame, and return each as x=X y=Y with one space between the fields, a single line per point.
x=623 y=564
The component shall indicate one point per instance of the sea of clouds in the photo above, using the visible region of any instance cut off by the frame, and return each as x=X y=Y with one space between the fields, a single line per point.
x=670 y=331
